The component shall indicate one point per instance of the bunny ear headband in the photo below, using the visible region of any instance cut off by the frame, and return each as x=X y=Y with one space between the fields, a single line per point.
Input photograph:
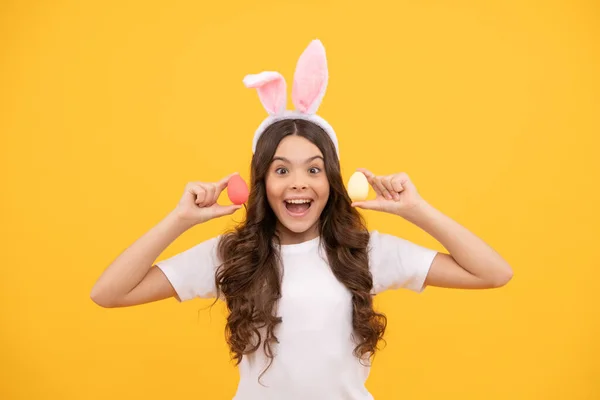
x=310 y=83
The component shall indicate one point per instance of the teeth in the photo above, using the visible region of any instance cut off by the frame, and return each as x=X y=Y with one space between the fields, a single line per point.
x=299 y=201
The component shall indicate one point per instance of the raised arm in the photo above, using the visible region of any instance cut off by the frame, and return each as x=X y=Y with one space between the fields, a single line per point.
x=471 y=264
x=132 y=279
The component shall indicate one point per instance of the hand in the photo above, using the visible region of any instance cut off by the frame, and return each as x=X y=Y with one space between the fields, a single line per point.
x=396 y=194
x=199 y=202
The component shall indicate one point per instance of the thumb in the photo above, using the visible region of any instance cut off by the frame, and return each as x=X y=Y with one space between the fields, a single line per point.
x=221 y=211
x=367 y=205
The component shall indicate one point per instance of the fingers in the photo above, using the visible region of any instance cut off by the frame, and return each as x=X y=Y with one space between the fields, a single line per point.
x=222 y=184
x=211 y=193
x=393 y=184
x=396 y=183
x=202 y=194
x=206 y=194
x=372 y=179
x=366 y=172
x=376 y=183
x=384 y=183
x=388 y=186
x=199 y=192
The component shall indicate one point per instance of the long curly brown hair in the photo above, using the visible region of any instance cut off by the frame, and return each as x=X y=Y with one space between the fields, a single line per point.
x=249 y=277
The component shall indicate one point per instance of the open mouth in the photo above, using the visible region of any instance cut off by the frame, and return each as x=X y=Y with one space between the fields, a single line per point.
x=298 y=207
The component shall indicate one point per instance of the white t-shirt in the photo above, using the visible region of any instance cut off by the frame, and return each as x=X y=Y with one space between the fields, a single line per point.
x=314 y=358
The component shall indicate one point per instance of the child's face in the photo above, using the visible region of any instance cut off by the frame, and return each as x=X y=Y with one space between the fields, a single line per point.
x=297 y=188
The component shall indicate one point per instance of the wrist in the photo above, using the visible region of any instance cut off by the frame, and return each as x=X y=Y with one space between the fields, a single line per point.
x=178 y=221
x=416 y=212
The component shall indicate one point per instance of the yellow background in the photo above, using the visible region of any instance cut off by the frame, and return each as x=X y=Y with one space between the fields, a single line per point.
x=107 y=109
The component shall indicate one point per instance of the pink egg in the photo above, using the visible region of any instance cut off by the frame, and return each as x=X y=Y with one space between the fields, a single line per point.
x=237 y=190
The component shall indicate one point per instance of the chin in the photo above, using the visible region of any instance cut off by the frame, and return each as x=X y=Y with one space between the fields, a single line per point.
x=296 y=227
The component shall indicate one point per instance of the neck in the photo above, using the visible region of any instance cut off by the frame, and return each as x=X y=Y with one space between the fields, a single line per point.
x=289 y=237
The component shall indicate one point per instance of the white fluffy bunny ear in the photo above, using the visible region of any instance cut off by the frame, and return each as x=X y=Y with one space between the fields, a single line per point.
x=272 y=90
x=310 y=78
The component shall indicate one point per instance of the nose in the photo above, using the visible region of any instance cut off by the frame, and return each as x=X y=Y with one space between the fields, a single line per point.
x=299 y=182
x=299 y=186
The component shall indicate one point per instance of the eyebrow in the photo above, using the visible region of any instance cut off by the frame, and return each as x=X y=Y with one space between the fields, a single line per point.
x=288 y=161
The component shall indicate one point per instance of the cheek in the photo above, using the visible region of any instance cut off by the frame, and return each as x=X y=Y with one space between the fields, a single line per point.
x=323 y=189
x=273 y=189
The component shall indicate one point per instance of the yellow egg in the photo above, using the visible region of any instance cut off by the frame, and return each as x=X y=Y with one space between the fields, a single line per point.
x=358 y=187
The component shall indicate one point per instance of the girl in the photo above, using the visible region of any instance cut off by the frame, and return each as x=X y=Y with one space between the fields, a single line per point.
x=299 y=274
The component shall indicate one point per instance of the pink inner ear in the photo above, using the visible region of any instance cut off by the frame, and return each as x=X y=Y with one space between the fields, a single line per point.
x=310 y=78
x=271 y=89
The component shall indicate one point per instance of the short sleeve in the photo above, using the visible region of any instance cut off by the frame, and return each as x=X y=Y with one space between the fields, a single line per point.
x=398 y=263
x=192 y=272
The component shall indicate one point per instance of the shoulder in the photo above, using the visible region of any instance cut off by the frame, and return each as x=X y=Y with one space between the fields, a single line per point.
x=397 y=262
x=379 y=241
x=192 y=272
x=205 y=251
x=382 y=242
x=208 y=246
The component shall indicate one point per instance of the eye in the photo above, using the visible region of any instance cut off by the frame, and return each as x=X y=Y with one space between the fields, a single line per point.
x=314 y=170
x=280 y=171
